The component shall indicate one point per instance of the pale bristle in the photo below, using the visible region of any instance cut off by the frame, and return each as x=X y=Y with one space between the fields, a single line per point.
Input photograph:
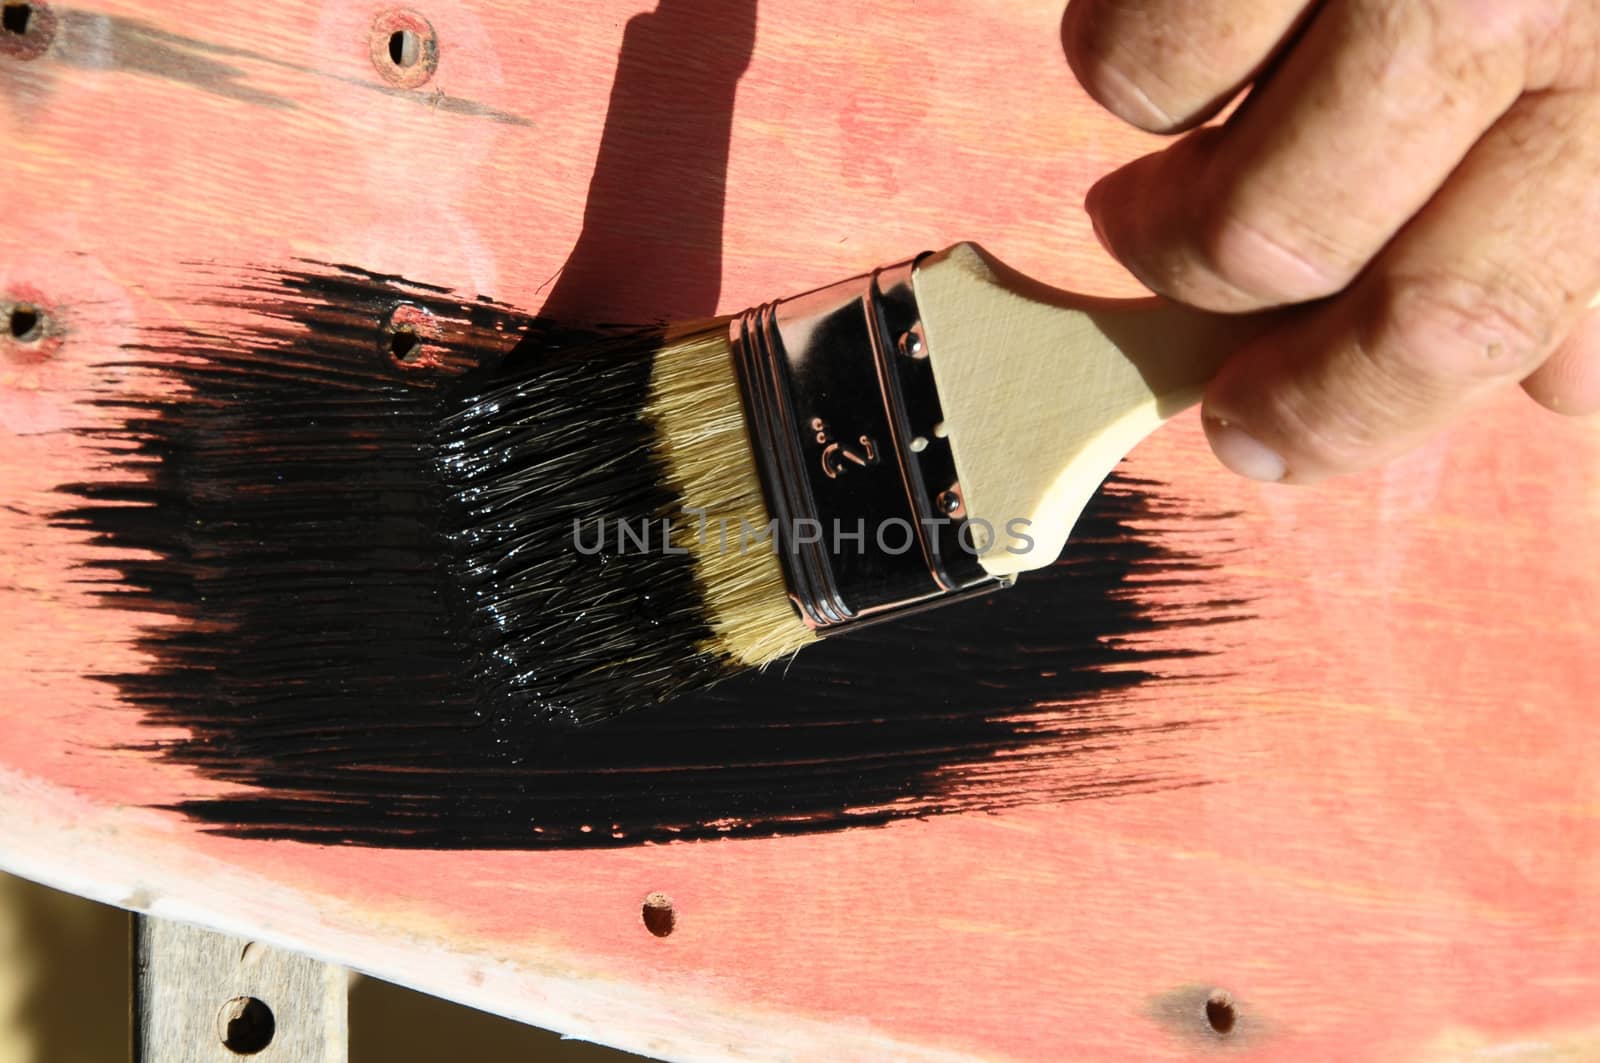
x=702 y=441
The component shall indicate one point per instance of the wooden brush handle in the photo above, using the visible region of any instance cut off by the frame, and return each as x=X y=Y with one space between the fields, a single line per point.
x=1044 y=392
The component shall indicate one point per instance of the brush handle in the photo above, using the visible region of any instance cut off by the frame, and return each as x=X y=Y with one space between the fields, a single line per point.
x=1044 y=392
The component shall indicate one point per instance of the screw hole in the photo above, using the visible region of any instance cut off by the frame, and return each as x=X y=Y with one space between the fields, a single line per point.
x=1220 y=1011
x=246 y=1025
x=659 y=917
x=26 y=323
x=405 y=48
x=409 y=333
x=26 y=29
x=15 y=18
x=405 y=345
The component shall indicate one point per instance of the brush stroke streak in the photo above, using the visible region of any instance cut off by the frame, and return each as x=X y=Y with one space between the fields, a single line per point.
x=345 y=712
x=92 y=40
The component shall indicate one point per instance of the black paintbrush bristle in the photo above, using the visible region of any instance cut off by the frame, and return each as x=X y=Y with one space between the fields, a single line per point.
x=556 y=505
x=406 y=475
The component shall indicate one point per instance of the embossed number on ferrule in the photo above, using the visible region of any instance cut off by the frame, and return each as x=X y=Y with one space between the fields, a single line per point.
x=837 y=457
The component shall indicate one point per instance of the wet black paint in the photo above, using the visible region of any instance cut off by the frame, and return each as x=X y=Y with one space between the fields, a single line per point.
x=306 y=630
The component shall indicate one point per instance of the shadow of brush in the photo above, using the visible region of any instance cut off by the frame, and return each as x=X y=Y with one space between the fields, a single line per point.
x=651 y=244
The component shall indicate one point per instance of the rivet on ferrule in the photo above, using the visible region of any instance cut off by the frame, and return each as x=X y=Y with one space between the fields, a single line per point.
x=910 y=344
x=847 y=427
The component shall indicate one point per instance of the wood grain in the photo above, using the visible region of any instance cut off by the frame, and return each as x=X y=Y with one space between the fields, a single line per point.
x=204 y=997
x=1399 y=851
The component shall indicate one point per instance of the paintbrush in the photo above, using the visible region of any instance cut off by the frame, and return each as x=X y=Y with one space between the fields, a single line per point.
x=635 y=521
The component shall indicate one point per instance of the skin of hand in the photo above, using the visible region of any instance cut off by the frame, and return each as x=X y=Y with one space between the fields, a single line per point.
x=1420 y=179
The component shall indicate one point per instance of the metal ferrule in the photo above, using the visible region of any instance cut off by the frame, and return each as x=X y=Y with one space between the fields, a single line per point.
x=848 y=433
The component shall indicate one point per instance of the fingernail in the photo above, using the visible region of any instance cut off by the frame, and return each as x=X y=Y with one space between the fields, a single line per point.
x=1099 y=230
x=1243 y=452
x=1119 y=228
x=1093 y=205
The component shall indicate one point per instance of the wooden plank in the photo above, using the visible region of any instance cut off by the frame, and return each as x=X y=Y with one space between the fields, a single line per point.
x=204 y=997
x=1395 y=850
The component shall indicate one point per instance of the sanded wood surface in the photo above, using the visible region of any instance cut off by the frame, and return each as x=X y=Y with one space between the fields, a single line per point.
x=1392 y=848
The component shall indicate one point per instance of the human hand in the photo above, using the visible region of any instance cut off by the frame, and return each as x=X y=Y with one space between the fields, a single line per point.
x=1430 y=169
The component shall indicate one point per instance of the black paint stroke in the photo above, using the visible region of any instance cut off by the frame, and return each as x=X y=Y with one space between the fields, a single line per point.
x=311 y=661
